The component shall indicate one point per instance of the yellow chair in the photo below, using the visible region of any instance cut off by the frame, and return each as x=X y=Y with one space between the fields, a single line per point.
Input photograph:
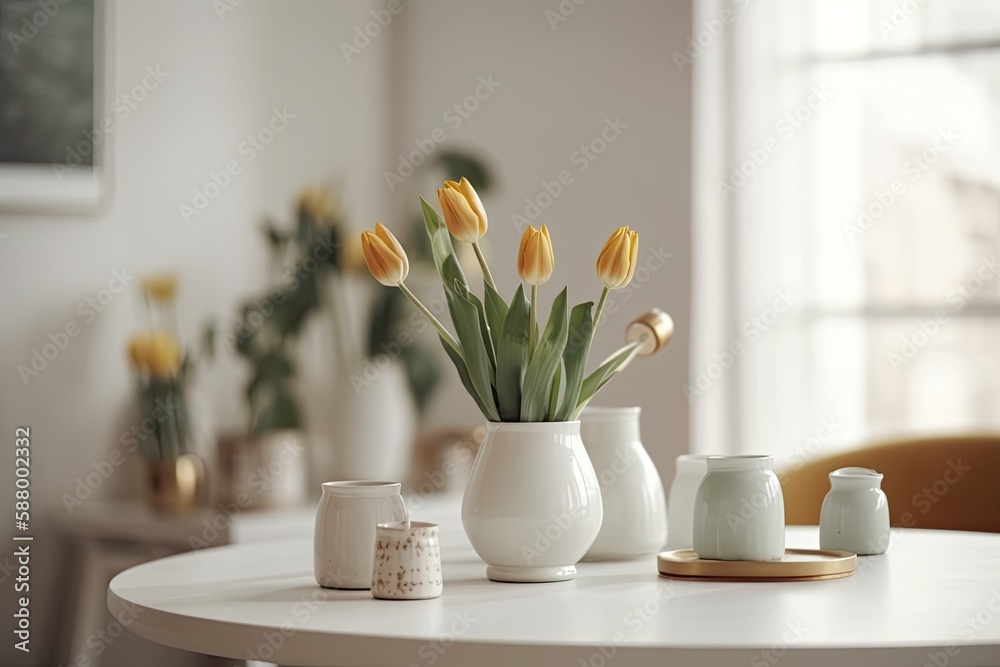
x=948 y=483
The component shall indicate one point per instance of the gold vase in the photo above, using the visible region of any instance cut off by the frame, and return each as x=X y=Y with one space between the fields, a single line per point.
x=176 y=485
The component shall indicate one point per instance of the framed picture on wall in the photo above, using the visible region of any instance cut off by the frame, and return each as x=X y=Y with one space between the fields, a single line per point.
x=55 y=127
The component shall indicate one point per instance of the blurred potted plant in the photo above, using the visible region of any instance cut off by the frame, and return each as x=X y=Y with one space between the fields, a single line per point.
x=305 y=257
x=532 y=473
x=175 y=474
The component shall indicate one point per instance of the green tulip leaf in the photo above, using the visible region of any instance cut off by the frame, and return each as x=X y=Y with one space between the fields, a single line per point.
x=484 y=326
x=581 y=332
x=537 y=386
x=463 y=372
x=600 y=377
x=466 y=316
x=512 y=356
x=442 y=247
x=496 y=310
x=554 y=395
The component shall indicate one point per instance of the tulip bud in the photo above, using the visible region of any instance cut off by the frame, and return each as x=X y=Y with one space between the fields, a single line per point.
x=616 y=263
x=463 y=211
x=535 y=259
x=384 y=256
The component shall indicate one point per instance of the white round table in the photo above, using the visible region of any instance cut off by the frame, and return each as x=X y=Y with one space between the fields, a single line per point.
x=934 y=599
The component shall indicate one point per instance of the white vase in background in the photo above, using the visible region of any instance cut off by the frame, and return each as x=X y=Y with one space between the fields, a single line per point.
x=532 y=506
x=266 y=471
x=855 y=514
x=376 y=423
x=739 y=511
x=690 y=470
x=344 y=537
x=635 y=508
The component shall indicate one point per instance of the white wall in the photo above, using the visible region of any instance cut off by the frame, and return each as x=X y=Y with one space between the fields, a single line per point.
x=225 y=76
x=606 y=60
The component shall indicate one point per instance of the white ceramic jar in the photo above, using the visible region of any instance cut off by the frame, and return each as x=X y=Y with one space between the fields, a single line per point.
x=739 y=510
x=344 y=539
x=635 y=508
x=690 y=470
x=532 y=506
x=855 y=514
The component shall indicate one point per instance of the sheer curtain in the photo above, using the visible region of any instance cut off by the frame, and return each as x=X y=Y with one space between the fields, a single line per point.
x=847 y=222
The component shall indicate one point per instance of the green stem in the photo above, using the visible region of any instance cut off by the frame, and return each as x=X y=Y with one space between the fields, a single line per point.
x=600 y=307
x=531 y=322
x=482 y=263
x=445 y=334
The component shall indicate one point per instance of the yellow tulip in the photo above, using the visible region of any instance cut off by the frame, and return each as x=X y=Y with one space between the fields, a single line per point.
x=384 y=256
x=463 y=211
x=535 y=259
x=160 y=288
x=616 y=263
x=163 y=356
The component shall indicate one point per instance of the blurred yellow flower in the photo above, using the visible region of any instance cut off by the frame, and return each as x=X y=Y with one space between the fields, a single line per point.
x=157 y=353
x=319 y=204
x=385 y=257
x=160 y=288
x=463 y=211
x=535 y=259
x=616 y=263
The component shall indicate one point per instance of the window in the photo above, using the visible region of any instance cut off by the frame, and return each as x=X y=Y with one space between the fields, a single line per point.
x=847 y=223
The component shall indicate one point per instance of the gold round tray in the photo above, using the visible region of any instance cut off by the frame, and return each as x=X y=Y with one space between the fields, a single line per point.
x=796 y=565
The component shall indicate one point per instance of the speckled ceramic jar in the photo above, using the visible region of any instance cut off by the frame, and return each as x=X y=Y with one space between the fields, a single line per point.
x=407 y=561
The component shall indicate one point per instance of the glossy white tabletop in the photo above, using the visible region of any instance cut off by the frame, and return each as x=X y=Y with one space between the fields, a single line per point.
x=934 y=598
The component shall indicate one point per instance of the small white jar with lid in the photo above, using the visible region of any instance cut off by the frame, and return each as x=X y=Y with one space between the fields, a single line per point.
x=855 y=514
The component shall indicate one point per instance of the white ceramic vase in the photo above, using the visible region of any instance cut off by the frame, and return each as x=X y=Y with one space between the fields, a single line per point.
x=344 y=538
x=532 y=506
x=739 y=510
x=855 y=514
x=376 y=425
x=690 y=470
x=635 y=508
